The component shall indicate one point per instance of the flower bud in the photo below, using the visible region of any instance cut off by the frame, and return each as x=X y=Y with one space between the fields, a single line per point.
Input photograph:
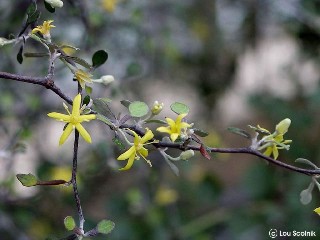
x=157 y=108
x=282 y=127
x=187 y=154
x=55 y=3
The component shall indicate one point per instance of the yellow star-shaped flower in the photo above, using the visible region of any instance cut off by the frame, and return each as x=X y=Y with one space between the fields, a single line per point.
x=74 y=120
x=44 y=29
x=175 y=127
x=137 y=149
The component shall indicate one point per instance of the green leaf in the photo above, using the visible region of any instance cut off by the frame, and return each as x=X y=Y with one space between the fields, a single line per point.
x=86 y=100
x=99 y=58
x=179 y=108
x=239 y=131
x=138 y=109
x=307 y=162
x=156 y=121
x=102 y=107
x=104 y=119
x=125 y=103
x=79 y=61
x=305 y=196
x=200 y=132
x=27 y=180
x=33 y=17
x=32 y=8
x=49 y=7
x=29 y=54
x=88 y=89
x=105 y=226
x=119 y=143
x=69 y=223
x=19 y=55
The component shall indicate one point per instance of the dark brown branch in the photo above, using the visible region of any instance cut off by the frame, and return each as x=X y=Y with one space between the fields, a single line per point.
x=246 y=150
x=74 y=179
x=43 y=81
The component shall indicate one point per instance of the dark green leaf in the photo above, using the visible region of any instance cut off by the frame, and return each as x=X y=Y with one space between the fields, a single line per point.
x=99 y=58
x=156 y=121
x=86 y=100
x=19 y=55
x=33 y=17
x=79 y=61
x=35 y=54
x=105 y=226
x=49 y=7
x=138 y=109
x=239 y=131
x=69 y=223
x=32 y=8
x=179 y=108
x=125 y=103
x=200 y=132
x=27 y=180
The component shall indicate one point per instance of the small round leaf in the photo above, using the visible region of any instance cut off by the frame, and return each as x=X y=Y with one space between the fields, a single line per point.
x=179 y=108
x=69 y=223
x=27 y=180
x=138 y=109
x=105 y=226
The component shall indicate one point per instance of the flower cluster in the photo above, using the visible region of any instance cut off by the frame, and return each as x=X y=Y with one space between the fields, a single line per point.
x=272 y=142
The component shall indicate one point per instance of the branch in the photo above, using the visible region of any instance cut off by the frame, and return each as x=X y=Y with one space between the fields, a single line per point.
x=74 y=179
x=46 y=82
x=245 y=150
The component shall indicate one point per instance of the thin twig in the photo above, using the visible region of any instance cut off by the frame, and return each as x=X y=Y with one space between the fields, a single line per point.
x=245 y=150
x=74 y=179
x=46 y=82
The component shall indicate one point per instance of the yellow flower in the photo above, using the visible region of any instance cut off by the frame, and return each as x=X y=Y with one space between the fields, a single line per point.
x=317 y=210
x=83 y=77
x=175 y=127
x=273 y=142
x=74 y=120
x=44 y=29
x=137 y=148
x=109 y=5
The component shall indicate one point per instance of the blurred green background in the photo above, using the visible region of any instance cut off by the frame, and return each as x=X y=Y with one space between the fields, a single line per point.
x=232 y=62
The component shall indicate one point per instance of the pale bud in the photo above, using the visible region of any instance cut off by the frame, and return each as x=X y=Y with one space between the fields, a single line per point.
x=283 y=126
x=187 y=154
x=157 y=108
x=55 y=3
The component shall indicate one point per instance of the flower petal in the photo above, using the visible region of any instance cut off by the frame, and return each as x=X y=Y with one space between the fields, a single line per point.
x=127 y=154
x=268 y=151
x=66 y=133
x=184 y=125
x=129 y=163
x=76 y=106
x=171 y=123
x=59 y=116
x=149 y=135
x=174 y=136
x=164 y=129
x=87 y=118
x=275 y=152
x=143 y=151
x=83 y=133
